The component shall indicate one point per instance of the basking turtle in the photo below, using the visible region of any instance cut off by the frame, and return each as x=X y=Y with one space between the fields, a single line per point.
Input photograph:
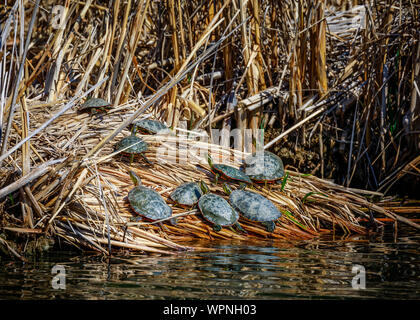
x=95 y=106
x=132 y=145
x=264 y=167
x=148 y=126
x=254 y=207
x=147 y=202
x=188 y=194
x=227 y=172
x=218 y=211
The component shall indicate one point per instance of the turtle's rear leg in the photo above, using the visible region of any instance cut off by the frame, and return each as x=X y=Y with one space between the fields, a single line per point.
x=146 y=160
x=173 y=221
x=269 y=225
x=216 y=178
x=239 y=227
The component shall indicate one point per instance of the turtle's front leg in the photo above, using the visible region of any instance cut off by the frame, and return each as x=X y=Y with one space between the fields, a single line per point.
x=97 y=114
x=136 y=219
x=217 y=227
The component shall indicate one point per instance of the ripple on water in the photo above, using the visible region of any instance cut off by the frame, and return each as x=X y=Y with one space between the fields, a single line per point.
x=307 y=269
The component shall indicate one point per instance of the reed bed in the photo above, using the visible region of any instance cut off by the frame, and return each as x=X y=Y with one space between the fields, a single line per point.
x=333 y=85
x=86 y=205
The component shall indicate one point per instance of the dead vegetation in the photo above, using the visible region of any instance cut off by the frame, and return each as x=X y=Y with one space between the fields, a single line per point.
x=338 y=79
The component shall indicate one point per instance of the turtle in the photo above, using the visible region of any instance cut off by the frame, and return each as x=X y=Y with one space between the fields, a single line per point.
x=253 y=206
x=132 y=145
x=264 y=167
x=216 y=210
x=148 y=126
x=95 y=106
x=147 y=202
x=188 y=194
x=228 y=172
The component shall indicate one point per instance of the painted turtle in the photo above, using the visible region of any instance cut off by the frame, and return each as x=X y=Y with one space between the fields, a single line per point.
x=148 y=126
x=227 y=172
x=95 y=106
x=253 y=206
x=147 y=202
x=188 y=194
x=264 y=167
x=132 y=145
x=218 y=211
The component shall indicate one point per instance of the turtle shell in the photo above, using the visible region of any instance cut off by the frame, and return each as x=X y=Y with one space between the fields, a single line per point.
x=149 y=126
x=94 y=103
x=254 y=206
x=187 y=194
x=148 y=203
x=232 y=173
x=217 y=210
x=137 y=145
x=264 y=167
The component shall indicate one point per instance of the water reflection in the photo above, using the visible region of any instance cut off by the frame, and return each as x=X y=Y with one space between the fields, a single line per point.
x=308 y=269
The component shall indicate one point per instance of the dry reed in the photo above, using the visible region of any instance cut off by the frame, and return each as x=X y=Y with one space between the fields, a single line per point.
x=343 y=72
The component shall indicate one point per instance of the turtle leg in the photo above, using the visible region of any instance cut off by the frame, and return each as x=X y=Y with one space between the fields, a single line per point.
x=242 y=186
x=97 y=114
x=131 y=158
x=217 y=227
x=216 y=177
x=136 y=219
x=145 y=159
x=270 y=225
x=239 y=227
x=173 y=221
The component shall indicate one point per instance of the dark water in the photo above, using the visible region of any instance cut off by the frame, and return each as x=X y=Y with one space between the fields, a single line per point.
x=313 y=269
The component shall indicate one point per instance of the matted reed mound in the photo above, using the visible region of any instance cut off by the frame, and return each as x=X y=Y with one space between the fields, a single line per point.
x=84 y=201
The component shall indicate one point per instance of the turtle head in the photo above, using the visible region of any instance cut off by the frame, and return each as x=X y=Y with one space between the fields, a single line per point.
x=204 y=187
x=134 y=177
x=133 y=129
